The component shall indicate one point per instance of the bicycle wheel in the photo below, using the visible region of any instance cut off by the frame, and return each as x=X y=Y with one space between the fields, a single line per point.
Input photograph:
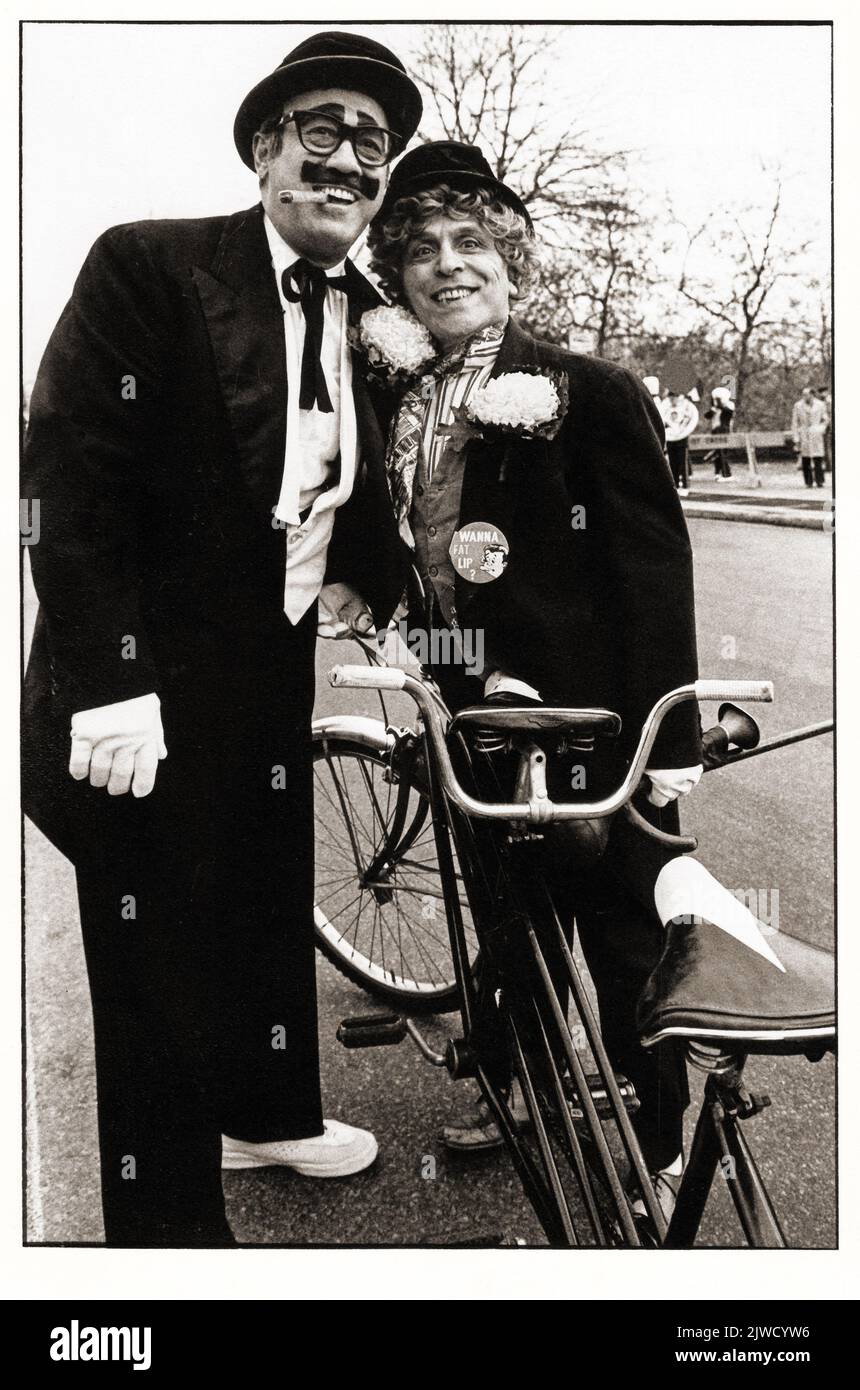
x=378 y=907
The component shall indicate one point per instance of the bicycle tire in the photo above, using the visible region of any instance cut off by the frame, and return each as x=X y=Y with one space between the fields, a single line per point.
x=402 y=957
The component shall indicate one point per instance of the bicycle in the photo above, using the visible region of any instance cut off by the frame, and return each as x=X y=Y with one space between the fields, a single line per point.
x=426 y=830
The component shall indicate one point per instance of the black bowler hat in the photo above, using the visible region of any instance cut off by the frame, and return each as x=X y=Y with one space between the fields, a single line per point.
x=332 y=60
x=449 y=162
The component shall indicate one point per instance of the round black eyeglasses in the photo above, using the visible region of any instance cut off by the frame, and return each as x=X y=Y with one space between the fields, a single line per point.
x=319 y=133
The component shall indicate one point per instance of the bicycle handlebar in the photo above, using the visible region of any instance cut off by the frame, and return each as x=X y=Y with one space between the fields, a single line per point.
x=368 y=677
x=754 y=691
x=539 y=809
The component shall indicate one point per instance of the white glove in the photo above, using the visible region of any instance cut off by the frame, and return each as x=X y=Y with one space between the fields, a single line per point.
x=119 y=745
x=670 y=783
x=499 y=680
x=343 y=612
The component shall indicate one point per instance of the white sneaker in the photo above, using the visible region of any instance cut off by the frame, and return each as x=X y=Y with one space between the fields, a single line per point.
x=340 y=1150
x=666 y=1182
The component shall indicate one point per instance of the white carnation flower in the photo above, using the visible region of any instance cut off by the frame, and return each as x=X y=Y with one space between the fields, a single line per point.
x=397 y=337
x=516 y=400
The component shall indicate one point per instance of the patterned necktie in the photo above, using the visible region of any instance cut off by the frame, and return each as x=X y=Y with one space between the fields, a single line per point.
x=401 y=460
x=311 y=284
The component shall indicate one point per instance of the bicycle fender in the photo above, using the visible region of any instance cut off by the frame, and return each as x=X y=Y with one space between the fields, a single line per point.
x=357 y=728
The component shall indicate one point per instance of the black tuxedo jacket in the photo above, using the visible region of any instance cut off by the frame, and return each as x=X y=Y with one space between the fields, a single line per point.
x=595 y=606
x=155 y=448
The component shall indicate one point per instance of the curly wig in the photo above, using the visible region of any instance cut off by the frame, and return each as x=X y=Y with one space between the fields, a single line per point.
x=388 y=239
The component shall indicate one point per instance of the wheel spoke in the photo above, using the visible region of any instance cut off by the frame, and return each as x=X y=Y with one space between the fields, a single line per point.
x=380 y=924
x=368 y=781
x=419 y=945
x=349 y=822
x=341 y=887
x=331 y=920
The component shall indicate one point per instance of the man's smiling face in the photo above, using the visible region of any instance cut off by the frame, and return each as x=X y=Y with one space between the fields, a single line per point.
x=323 y=232
x=455 y=280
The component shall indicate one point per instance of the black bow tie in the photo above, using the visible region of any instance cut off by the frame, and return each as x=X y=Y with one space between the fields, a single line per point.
x=311 y=283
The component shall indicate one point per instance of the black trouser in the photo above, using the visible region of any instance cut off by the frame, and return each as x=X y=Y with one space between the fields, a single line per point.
x=610 y=895
x=204 y=1001
x=722 y=467
x=808 y=464
x=678 y=461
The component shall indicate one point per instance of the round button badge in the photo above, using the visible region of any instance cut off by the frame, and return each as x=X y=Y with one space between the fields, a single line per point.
x=479 y=552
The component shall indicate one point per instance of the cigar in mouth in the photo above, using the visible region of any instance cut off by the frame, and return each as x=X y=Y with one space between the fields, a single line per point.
x=300 y=195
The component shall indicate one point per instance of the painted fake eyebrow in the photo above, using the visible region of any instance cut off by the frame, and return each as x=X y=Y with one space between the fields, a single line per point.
x=333 y=108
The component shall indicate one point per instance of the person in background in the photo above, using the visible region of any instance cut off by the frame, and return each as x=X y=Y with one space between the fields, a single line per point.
x=827 y=397
x=652 y=385
x=680 y=418
x=719 y=415
x=808 y=425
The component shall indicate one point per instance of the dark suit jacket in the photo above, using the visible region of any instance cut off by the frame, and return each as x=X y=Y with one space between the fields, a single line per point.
x=156 y=448
x=600 y=614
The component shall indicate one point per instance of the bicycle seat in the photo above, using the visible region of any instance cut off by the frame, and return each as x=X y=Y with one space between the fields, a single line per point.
x=710 y=986
x=581 y=723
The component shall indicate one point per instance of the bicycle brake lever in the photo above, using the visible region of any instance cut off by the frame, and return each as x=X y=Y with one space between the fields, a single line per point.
x=685 y=843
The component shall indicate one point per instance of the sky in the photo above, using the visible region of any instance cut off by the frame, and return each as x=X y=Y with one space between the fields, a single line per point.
x=127 y=121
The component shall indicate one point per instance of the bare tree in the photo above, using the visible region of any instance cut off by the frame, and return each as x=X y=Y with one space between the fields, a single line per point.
x=493 y=85
x=822 y=334
x=598 y=290
x=488 y=86
x=752 y=259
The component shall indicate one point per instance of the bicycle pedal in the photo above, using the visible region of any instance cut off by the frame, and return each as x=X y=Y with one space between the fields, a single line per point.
x=372 y=1030
x=602 y=1103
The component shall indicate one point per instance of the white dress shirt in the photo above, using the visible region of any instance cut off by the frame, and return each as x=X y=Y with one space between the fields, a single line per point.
x=314 y=438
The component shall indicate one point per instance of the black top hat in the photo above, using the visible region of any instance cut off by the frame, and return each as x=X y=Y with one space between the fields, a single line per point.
x=449 y=162
x=332 y=60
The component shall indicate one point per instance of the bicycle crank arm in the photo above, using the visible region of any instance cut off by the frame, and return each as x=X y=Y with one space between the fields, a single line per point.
x=436 y=1059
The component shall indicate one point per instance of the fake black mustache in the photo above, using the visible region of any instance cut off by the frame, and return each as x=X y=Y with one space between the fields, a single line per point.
x=361 y=183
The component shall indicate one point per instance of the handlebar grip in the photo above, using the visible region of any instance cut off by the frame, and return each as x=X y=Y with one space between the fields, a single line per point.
x=367 y=677
x=761 y=691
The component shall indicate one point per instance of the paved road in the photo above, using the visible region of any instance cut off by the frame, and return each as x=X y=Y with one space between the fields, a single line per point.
x=763 y=599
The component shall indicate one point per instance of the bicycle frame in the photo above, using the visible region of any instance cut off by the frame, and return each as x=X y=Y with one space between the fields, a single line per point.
x=718 y=1142
x=542 y=1184
x=541 y=1179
